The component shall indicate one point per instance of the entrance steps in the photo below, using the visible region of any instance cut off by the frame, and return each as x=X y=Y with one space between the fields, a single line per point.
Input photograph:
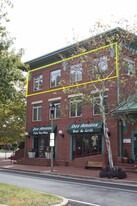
x=128 y=167
x=34 y=161
x=17 y=155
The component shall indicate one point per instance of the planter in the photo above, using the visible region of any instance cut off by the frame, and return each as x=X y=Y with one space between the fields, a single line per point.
x=125 y=159
x=31 y=154
x=48 y=155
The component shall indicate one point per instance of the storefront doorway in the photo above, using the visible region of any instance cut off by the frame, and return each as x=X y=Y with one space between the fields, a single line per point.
x=41 y=139
x=41 y=144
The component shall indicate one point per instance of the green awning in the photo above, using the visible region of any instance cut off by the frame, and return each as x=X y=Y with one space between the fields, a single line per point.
x=127 y=106
x=85 y=127
x=42 y=130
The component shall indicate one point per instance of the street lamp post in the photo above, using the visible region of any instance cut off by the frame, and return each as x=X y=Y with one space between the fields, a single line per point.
x=52 y=109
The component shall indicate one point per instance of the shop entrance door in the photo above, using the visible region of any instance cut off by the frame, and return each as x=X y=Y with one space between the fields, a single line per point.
x=135 y=146
x=40 y=144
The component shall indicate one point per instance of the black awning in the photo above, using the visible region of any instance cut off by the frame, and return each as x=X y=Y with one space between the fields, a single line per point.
x=42 y=130
x=85 y=127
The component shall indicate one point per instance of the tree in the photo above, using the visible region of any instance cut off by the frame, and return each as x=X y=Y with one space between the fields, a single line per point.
x=93 y=55
x=12 y=84
x=13 y=118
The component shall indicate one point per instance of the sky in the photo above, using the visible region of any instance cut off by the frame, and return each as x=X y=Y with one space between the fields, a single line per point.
x=43 y=26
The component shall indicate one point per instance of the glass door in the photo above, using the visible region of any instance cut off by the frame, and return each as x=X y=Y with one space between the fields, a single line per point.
x=40 y=145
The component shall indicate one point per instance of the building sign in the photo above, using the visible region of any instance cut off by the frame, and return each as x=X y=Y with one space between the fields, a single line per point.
x=42 y=130
x=85 y=127
x=127 y=140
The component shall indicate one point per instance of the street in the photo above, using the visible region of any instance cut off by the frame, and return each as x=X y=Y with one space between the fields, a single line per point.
x=79 y=192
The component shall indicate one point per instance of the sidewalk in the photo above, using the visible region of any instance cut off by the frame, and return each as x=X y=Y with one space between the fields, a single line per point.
x=66 y=170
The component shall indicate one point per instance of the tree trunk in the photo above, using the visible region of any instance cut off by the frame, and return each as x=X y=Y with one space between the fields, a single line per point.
x=105 y=129
x=108 y=144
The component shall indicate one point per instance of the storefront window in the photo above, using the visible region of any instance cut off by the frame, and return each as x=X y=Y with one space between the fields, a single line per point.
x=87 y=144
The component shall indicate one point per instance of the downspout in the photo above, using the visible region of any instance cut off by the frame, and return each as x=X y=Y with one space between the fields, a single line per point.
x=118 y=99
x=117 y=74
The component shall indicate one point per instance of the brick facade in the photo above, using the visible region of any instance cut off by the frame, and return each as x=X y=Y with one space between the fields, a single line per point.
x=63 y=150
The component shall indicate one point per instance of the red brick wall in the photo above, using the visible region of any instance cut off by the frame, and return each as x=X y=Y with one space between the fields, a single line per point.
x=63 y=144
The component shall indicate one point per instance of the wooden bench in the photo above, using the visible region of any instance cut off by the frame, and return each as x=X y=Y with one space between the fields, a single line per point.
x=92 y=164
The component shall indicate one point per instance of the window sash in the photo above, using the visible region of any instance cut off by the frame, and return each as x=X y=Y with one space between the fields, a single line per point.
x=129 y=68
x=100 y=65
x=76 y=72
x=37 y=112
x=37 y=84
x=55 y=77
x=75 y=108
x=56 y=111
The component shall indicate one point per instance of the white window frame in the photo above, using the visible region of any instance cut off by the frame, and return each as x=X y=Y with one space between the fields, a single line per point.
x=57 y=105
x=128 y=70
x=71 y=103
x=97 y=99
x=54 y=74
x=38 y=108
x=76 y=72
x=37 y=82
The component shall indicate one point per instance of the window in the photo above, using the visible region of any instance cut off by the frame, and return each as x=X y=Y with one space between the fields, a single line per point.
x=37 y=112
x=75 y=108
x=38 y=81
x=86 y=144
x=129 y=66
x=76 y=73
x=56 y=114
x=55 y=77
x=100 y=65
x=96 y=103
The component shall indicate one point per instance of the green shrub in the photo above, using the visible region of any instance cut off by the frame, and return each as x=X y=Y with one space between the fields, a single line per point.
x=113 y=173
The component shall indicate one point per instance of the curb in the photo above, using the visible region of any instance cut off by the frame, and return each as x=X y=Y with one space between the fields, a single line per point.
x=101 y=180
x=63 y=203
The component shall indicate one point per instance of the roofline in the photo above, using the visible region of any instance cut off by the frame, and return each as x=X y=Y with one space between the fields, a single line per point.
x=55 y=54
x=71 y=46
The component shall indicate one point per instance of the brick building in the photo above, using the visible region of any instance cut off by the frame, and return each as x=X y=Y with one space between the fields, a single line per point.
x=86 y=71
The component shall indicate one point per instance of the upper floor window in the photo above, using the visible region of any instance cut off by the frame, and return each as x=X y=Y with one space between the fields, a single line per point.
x=100 y=65
x=75 y=107
x=38 y=81
x=56 y=113
x=37 y=112
x=76 y=72
x=55 y=77
x=97 y=109
x=129 y=66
